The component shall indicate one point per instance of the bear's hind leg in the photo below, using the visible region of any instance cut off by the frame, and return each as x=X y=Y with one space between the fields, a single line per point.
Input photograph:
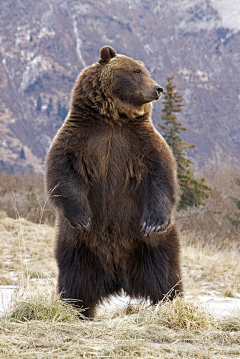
x=76 y=297
x=153 y=272
x=82 y=279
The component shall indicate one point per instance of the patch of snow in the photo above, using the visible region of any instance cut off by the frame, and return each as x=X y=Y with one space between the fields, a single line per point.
x=132 y=3
x=78 y=41
x=119 y=302
x=6 y=295
x=33 y=69
x=82 y=8
x=148 y=49
x=220 y=307
x=197 y=15
x=106 y=39
x=229 y=12
x=45 y=32
x=27 y=56
x=23 y=34
x=187 y=75
x=202 y=75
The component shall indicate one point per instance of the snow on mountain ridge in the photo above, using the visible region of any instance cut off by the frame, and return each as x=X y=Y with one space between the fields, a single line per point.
x=209 y=14
x=229 y=11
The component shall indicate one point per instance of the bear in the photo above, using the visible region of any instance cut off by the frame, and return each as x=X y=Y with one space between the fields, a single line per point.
x=113 y=182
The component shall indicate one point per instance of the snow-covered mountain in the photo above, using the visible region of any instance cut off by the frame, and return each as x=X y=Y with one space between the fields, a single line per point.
x=45 y=44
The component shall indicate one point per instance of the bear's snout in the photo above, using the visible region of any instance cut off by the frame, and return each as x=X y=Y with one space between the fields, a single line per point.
x=158 y=90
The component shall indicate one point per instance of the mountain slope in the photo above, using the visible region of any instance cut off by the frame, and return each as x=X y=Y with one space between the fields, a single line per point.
x=44 y=45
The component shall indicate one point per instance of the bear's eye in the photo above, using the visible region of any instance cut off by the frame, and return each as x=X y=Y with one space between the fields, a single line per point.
x=138 y=72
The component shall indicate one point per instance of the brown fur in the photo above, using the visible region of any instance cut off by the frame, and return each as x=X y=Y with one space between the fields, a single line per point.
x=111 y=173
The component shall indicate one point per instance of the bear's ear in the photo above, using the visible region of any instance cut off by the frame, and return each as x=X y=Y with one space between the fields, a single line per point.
x=106 y=54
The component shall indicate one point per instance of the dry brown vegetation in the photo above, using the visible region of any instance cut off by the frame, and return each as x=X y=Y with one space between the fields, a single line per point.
x=39 y=326
x=24 y=196
x=26 y=251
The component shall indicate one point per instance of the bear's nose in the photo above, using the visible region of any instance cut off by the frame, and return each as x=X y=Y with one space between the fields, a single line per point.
x=158 y=90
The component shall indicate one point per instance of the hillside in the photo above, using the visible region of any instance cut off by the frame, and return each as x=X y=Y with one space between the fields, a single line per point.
x=44 y=45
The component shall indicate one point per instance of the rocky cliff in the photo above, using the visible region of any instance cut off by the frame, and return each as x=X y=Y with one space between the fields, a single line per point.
x=45 y=44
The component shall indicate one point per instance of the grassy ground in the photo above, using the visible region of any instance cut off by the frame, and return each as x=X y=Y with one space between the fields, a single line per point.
x=26 y=251
x=39 y=326
x=179 y=330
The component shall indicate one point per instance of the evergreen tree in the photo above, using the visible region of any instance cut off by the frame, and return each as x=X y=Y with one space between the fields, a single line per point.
x=39 y=103
x=50 y=107
x=62 y=111
x=22 y=154
x=193 y=191
x=236 y=221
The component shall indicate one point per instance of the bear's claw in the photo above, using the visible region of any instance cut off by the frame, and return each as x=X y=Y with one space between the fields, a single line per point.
x=144 y=225
x=85 y=225
x=148 y=229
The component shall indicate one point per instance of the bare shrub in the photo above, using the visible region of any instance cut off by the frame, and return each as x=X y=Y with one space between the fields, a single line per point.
x=24 y=196
x=210 y=224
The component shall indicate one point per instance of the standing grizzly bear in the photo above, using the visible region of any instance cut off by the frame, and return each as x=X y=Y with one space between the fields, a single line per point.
x=112 y=180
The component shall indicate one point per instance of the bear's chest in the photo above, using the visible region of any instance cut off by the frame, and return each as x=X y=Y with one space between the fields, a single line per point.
x=107 y=154
x=114 y=159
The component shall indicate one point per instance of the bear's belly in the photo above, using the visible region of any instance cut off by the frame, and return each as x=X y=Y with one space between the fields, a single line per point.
x=115 y=203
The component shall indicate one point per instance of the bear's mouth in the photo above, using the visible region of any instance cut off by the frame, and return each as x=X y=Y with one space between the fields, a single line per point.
x=156 y=96
x=149 y=97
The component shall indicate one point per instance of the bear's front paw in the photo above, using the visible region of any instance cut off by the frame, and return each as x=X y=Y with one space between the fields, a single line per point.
x=79 y=221
x=84 y=224
x=150 y=224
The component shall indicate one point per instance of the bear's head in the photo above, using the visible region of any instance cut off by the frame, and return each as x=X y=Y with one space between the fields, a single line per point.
x=118 y=85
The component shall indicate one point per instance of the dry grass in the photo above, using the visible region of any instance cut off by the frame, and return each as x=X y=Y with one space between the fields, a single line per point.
x=26 y=251
x=207 y=267
x=24 y=196
x=175 y=330
x=40 y=302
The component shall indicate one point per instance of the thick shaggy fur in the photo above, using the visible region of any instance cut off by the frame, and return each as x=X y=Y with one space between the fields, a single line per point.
x=112 y=179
